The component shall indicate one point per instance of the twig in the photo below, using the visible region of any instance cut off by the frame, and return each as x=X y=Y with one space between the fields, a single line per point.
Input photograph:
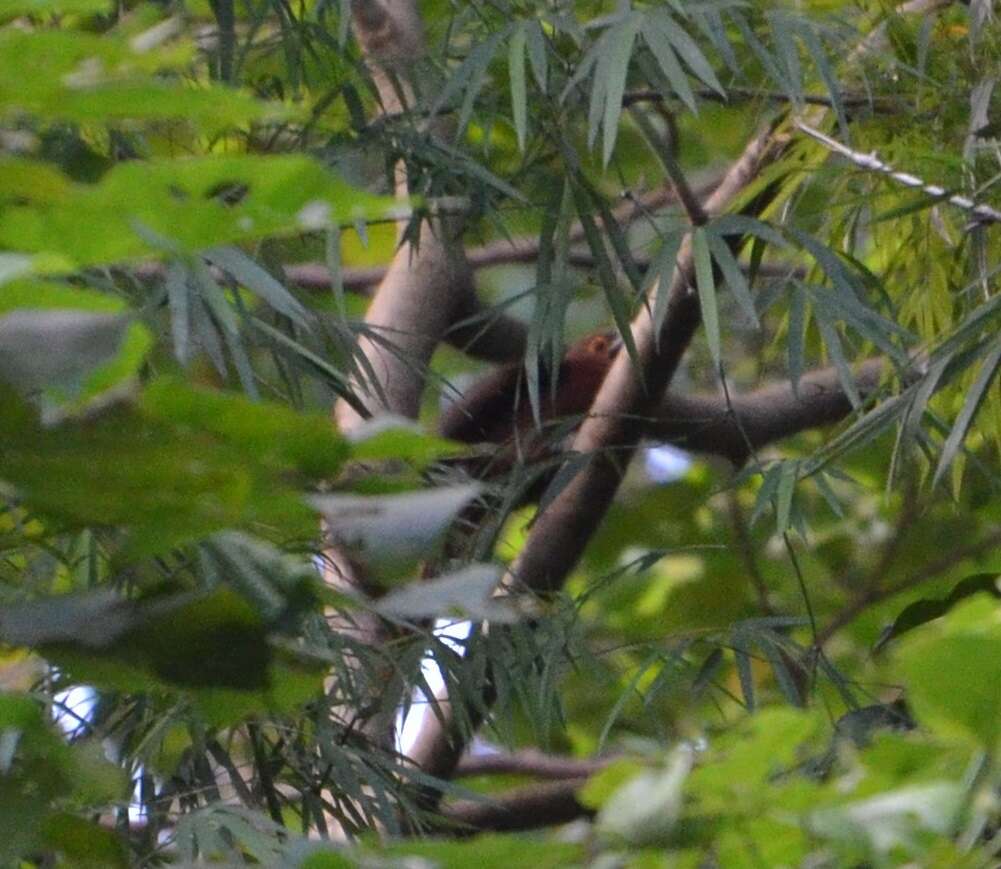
x=878 y=595
x=871 y=162
x=745 y=548
x=649 y=95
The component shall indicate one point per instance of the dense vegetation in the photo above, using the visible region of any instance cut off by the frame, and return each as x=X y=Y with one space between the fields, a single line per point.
x=225 y=620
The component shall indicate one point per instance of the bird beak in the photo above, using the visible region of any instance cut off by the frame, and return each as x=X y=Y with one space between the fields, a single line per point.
x=614 y=343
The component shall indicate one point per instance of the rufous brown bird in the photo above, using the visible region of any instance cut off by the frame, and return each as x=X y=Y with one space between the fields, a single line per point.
x=497 y=406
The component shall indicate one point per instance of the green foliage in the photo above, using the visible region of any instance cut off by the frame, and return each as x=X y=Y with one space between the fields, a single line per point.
x=795 y=664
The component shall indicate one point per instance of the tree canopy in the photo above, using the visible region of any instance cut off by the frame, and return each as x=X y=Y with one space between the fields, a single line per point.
x=559 y=432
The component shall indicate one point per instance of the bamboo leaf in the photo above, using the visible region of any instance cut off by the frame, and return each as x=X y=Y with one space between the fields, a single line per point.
x=519 y=95
x=537 y=53
x=788 y=475
x=619 y=53
x=797 y=335
x=686 y=48
x=706 y=284
x=734 y=277
x=832 y=342
x=975 y=397
x=480 y=58
x=661 y=49
x=259 y=282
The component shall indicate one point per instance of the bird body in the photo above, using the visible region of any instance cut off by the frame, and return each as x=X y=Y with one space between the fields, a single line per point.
x=497 y=408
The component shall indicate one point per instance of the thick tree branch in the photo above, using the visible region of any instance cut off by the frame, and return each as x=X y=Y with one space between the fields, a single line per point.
x=526 y=808
x=529 y=762
x=631 y=394
x=608 y=437
x=428 y=277
x=708 y=424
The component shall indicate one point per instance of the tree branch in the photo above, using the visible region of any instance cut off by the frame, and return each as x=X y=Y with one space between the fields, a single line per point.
x=529 y=762
x=429 y=276
x=526 y=808
x=608 y=436
x=707 y=424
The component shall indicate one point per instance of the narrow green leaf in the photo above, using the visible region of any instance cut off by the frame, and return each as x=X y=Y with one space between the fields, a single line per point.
x=788 y=475
x=519 y=95
x=686 y=48
x=617 y=301
x=479 y=59
x=744 y=673
x=259 y=282
x=832 y=342
x=537 y=53
x=797 y=335
x=928 y=609
x=733 y=275
x=706 y=284
x=619 y=53
x=823 y=65
x=827 y=493
x=787 y=52
x=178 y=296
x=662 y=271
x=661 y=49
x=975 y=397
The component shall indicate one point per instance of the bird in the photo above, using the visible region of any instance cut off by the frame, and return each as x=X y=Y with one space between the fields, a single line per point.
x=496 y=408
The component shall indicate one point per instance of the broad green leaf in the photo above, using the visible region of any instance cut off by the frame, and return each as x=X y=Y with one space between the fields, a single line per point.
x=78 y=76
x=270 y=434
x=83 y=843
x=58 y=335
x=182 y=464
x=706 y=284
x=13 y=8
x=952 y=672
x=466 y=594
x=389 y=534
x=894 y=822
x=486 y=851
x=388 y=437
x=194 y=203
x=928 y=609
x=184 y=639
x=646 y=809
